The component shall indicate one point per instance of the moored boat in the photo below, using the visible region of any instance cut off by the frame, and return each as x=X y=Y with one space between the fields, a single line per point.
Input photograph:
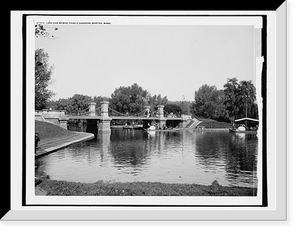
x=248 y=125
x=153 y=129
x=238 y=131
x=132 y=126
x=164 y=130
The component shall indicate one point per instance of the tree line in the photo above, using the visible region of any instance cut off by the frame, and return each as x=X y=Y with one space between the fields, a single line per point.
x=126 y=100
x=236 y=100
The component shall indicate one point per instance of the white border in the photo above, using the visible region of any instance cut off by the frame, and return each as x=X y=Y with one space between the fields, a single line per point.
x=278 y=203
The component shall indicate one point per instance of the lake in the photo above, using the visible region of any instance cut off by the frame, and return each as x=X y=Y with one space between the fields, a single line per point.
x=185 y=156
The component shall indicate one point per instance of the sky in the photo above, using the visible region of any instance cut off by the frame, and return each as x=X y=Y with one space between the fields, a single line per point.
x=171 y=60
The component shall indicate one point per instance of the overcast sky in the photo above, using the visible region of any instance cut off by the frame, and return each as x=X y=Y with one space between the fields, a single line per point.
x=170 y=60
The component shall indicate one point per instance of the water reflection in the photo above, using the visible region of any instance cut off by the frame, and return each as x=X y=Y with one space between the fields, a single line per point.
x=132 y=152
x=104 y=142
x=189 y=156
x=230 y=157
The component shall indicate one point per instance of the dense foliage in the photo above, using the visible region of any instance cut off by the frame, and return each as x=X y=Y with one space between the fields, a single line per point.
x=43 y=73
x=237 y=100
x=126 y=100
x=132 y=99
x=209 y=103
x=74 y=105
x=129 y=99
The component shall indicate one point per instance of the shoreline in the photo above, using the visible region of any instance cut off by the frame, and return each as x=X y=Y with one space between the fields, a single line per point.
x=53 y=137
x=49 y=146
x=48 y=187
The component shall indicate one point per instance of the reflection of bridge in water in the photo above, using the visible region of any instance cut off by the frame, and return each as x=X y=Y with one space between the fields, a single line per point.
x=102 y=116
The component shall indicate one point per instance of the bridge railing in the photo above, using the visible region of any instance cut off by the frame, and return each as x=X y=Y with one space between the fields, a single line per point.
x=112 y=112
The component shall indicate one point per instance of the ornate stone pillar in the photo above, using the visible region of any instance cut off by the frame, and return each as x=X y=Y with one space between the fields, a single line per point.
x=63 y=120
x=104 y=124
x=92 y=109
x=161 y=118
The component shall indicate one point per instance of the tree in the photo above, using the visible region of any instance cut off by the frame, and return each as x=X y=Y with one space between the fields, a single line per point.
x=247 y=100
x=221 y=114
x=184 y=105
x=62 y=104
x=173 y=108
x=240 y=99
x=231 y=91
x=43 y=71
x=206 y=100
x=129 y=99
x=156 y=100
x=43 y=74
x=76 y=104
x=40 y=31
x=80 y=103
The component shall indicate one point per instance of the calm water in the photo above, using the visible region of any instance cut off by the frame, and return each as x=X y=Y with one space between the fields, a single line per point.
x=188 y=156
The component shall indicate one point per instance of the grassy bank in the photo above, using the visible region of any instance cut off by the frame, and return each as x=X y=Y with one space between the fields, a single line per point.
x=53 y=137
x=48 y=131
x=63 y=188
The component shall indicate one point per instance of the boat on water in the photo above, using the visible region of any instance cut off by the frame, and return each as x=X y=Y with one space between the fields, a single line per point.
x=163 y=130
x=153 y=129
x=240 y=131
x=132 y=126
x=245 y=125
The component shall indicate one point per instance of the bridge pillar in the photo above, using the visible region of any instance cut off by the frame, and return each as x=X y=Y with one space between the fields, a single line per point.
x=92 y=109
x=63 y=120
x=161 y=118
x=104 y=121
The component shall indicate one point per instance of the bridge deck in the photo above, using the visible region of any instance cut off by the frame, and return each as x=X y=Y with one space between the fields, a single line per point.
x=122 y=118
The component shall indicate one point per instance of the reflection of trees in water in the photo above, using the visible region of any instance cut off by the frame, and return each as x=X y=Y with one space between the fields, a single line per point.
x=129 y=147
x=211 y=148
x=133 y=148
x=242 y=153
x=236 y=152
x=169 y=139
x=242 y=158
x=104 y=141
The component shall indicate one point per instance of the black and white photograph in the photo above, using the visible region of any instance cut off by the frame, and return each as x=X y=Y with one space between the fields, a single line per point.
x=147 y=108
x=129 y=113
